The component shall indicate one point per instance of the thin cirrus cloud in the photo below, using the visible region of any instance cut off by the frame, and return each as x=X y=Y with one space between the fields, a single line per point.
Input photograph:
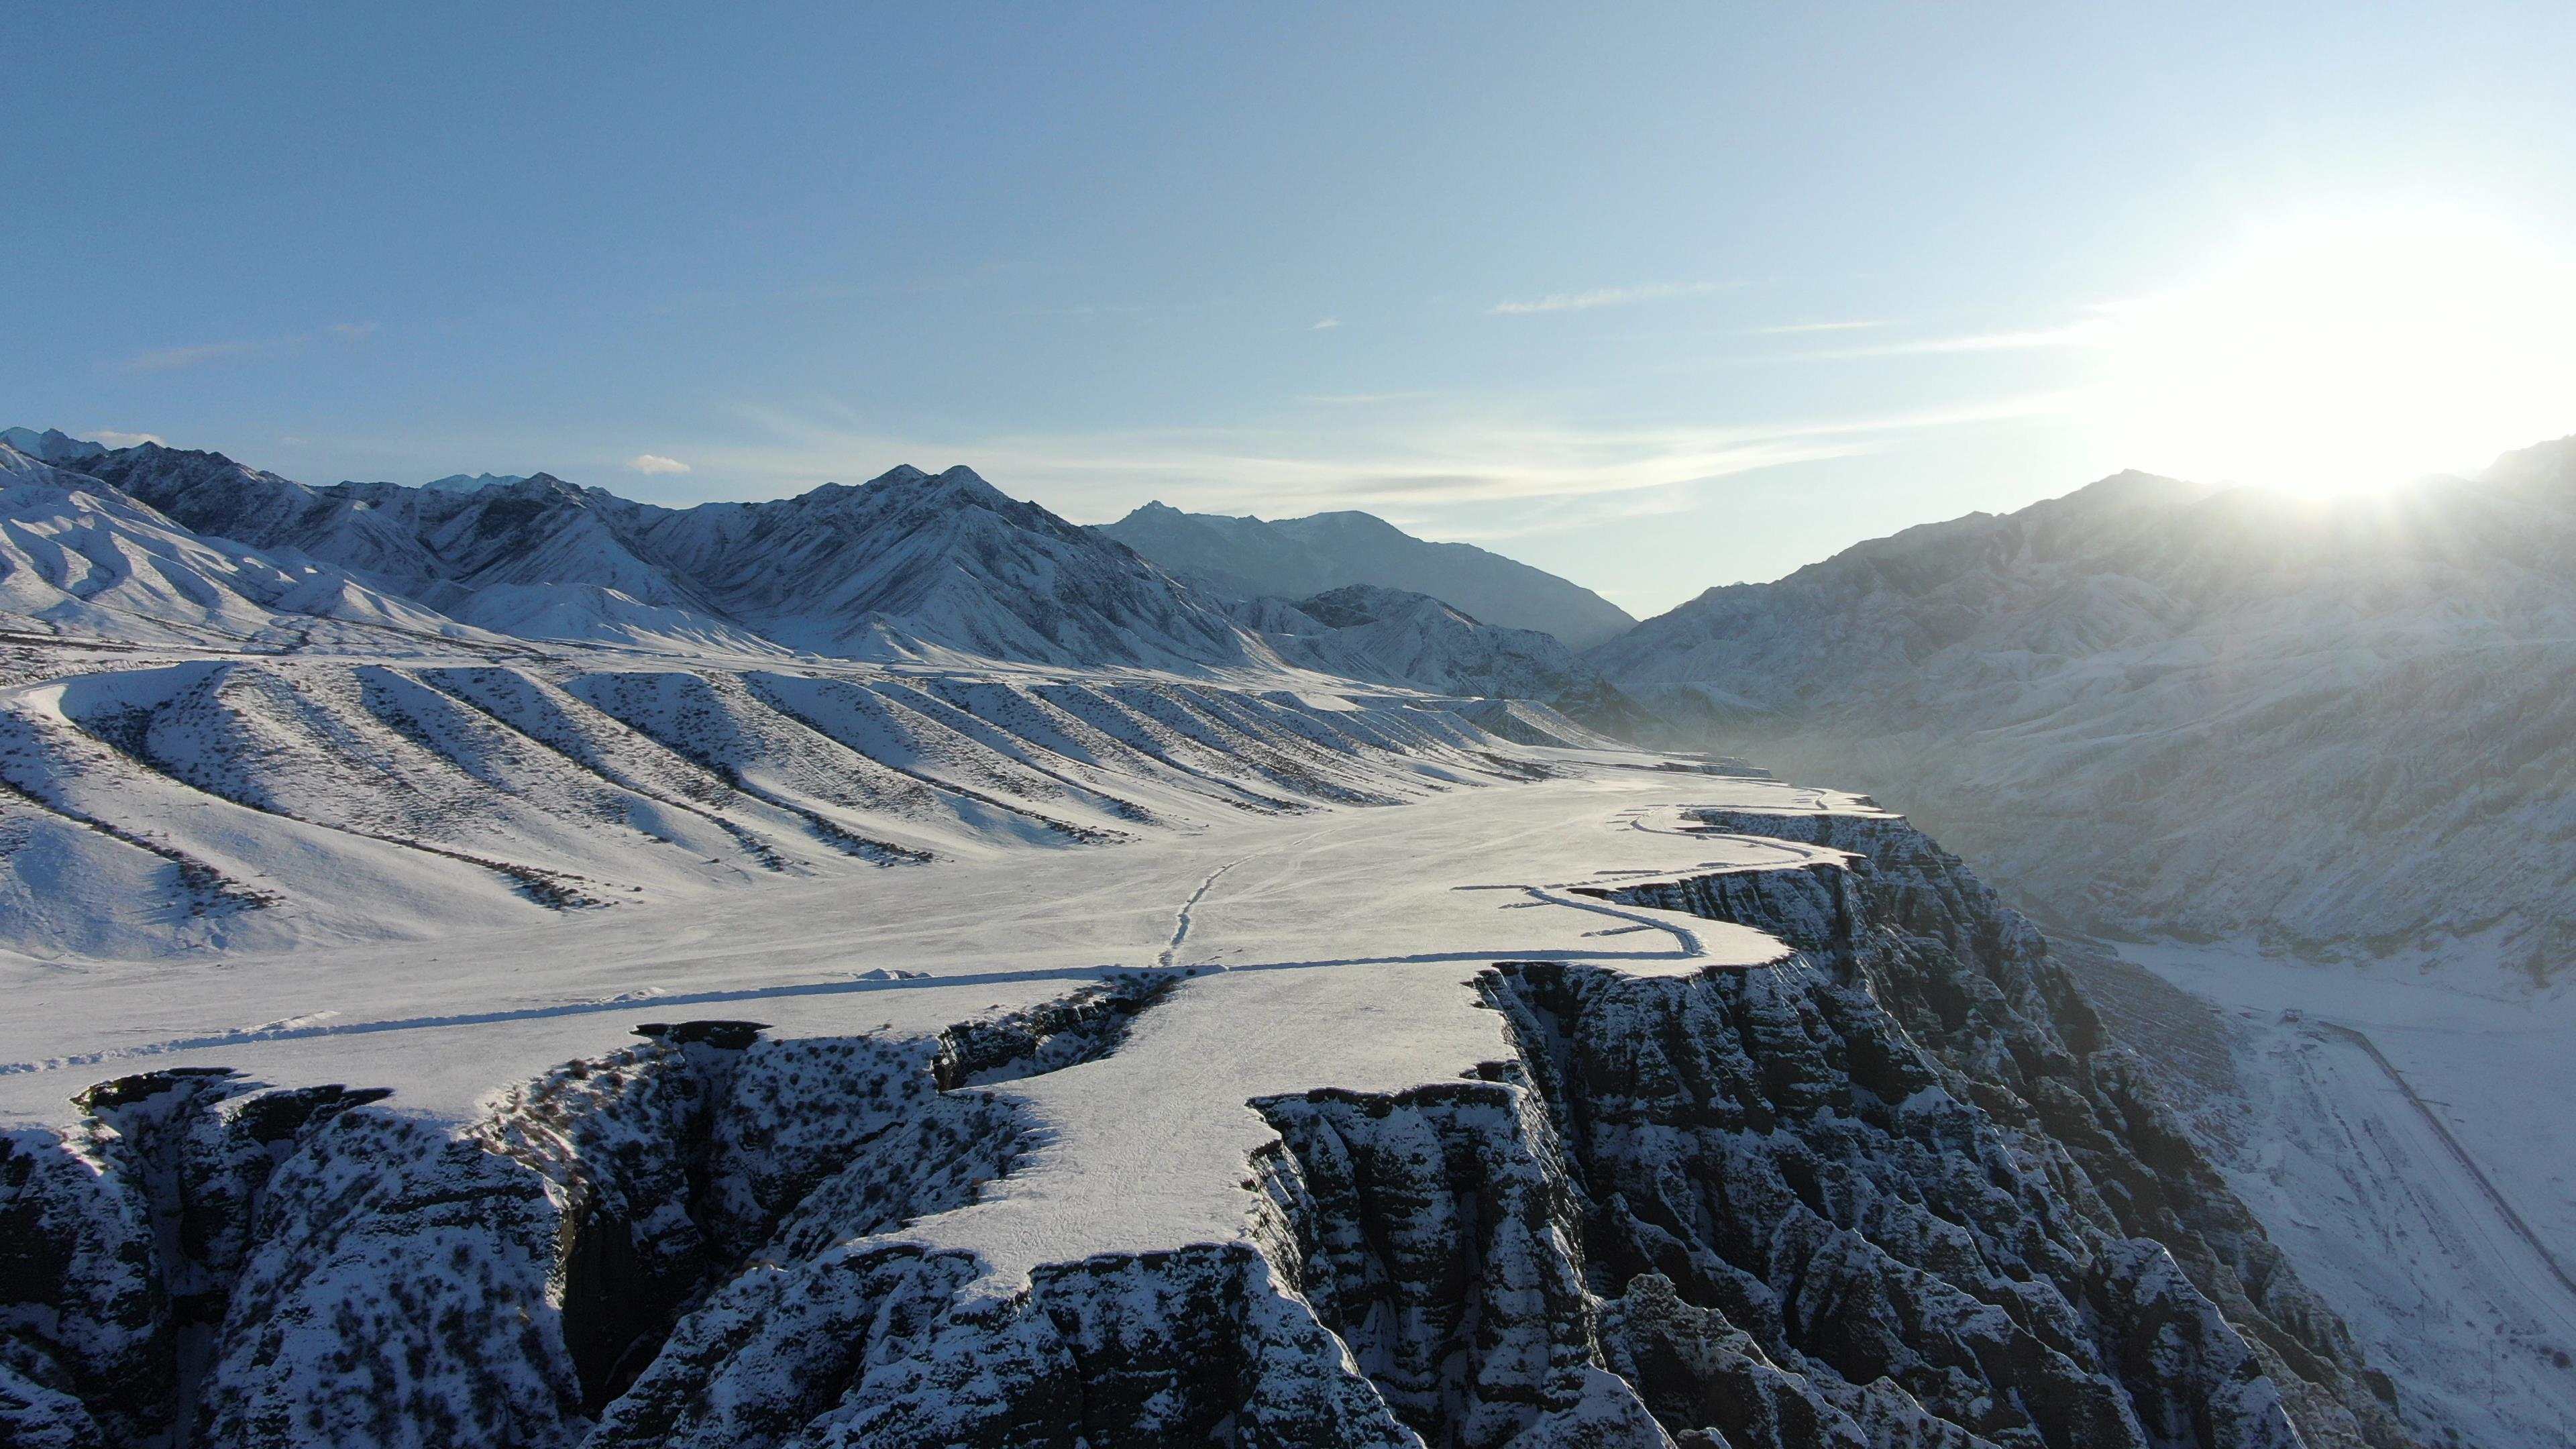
x=1412 y=465
x=1607 y=297
x=2091 y=331
x=171 y=359
x=655 y=463
x=1797 y=329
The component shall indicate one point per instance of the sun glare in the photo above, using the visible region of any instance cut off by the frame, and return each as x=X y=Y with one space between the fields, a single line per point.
x=2346 y=354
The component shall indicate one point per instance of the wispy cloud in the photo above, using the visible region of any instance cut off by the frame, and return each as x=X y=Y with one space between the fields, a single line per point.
x=1359 y=399
x=1793 y=329
x=656 y=463
x=114 y=439
x=2090 y=331
x=170 y=359
x=1327 y=324
x=1405 y=464
x=1608 y=297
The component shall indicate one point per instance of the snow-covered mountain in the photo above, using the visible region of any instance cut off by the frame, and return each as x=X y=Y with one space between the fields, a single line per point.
x=908 y=566
x=50 y=446
x=2152 y=706
x=82 y=559
x=1360 y=631
x=1295 y=558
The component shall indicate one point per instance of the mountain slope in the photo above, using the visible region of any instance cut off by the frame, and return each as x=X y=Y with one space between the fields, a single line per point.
x=1360 y=631
x=2152 y=706
x=1293 y=558
x=80 y=559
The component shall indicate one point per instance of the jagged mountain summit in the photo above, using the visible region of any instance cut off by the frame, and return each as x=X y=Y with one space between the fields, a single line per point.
x=2153 y=706
x=1296 y=558
x=473 y=482
x=907 y=566
x=1361 y=631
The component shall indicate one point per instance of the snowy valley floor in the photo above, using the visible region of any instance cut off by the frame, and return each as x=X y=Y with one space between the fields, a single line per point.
x=2371 y=1202
x=1332 y=950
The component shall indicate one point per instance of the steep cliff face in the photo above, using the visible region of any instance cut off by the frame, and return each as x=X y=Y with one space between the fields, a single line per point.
x=1891 y=1189
x=1991 y=1021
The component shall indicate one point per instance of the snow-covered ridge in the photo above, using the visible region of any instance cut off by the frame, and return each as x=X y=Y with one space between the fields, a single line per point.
x=249 y=802
x=80 y=559
x=908 y=566
x=2152 y=706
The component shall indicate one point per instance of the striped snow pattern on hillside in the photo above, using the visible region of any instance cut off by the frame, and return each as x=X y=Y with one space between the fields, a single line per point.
x=269 y=802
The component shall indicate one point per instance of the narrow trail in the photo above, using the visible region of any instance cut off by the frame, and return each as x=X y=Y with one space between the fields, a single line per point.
x=2460 y=1154
x=1181 y=922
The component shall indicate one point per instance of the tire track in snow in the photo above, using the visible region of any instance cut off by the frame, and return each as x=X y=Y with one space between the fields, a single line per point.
x=1181 y=923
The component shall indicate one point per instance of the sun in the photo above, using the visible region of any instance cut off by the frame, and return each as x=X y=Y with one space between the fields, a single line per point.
x=2343 y=353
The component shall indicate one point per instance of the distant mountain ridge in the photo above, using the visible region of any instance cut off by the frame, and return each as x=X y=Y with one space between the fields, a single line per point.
x=82 y=558
x=909 y=565
x=473 y=482
x=2154 y=706
x=1364 y=632
x=50 y=446
x=1297 y=558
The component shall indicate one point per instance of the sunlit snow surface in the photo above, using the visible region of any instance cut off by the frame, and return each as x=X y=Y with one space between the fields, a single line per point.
x=2379 y=1213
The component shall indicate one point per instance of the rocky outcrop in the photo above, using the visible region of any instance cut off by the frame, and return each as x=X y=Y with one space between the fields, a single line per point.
x=1436 y=1236
x=121 y=1244
x=2004 y=1029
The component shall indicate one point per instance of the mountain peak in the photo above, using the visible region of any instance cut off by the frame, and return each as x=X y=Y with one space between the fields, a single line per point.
x=52 y=445
x=966 y=482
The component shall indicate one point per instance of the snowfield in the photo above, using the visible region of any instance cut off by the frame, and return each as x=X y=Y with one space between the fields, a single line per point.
x=1324 y=951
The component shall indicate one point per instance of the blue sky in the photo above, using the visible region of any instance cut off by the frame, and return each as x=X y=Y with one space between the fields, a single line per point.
x=1657 y=298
